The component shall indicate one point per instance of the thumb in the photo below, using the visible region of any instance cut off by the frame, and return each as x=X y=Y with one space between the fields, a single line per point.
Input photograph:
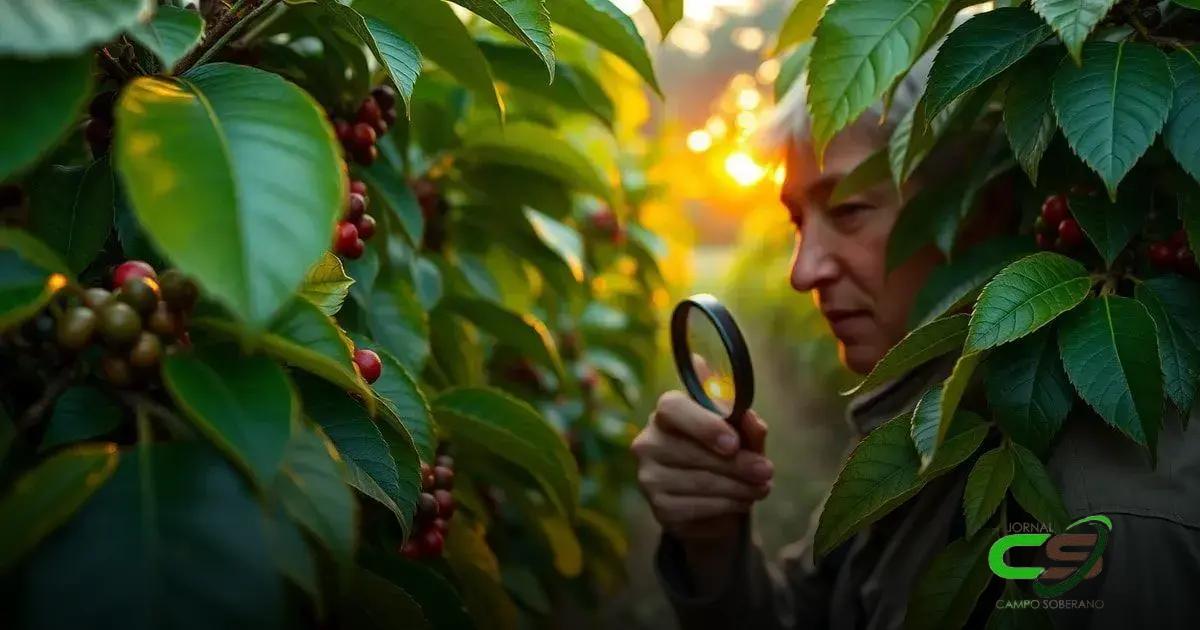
x=754 y=432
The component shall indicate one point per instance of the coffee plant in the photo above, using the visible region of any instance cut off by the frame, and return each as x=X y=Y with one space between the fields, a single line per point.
x=1082 y=122
x=317 y=314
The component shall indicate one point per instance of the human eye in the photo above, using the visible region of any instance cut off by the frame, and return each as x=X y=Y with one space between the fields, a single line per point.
x=849 y=216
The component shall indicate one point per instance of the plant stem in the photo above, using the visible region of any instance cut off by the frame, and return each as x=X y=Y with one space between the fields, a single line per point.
x=53 y=390
x=216 y=37
x=232 y=32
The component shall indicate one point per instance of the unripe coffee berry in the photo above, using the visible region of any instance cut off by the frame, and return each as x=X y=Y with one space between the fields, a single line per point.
x=119 y=324
x=96 y=297
x=132 y=269
x=368 y=364
x=116 y=371
x=146 y=352
x=162 y=321
x=138 y=293
x=179 y=291
x=76 y=327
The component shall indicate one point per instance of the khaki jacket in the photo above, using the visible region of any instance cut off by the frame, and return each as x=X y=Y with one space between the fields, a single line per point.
x=1151 y=566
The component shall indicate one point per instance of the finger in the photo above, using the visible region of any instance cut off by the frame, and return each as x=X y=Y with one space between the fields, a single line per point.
x=676 y=413
x=674 y=451
x=754 y=432
x=674 y=510
x=656 y=478
x=700 y=366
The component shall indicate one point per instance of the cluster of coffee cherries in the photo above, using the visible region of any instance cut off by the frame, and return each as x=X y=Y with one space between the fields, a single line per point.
x=375 y=114
x=1055 y=228
x=434 y=509
x=134 y=322
x=368 y=364
x=356 y=226
x=604 y=222
x=1174 y=254
x=99 y=128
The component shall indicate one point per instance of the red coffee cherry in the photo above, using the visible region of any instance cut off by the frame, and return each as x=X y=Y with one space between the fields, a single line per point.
x=427 y=507
x=412 y=549
x=363 y=136
x=358 y=186
x=1043 y=241
x=356 y=205
x=440 y=525
x=132 y=269
x=384 y=96
x=366 y=156
x=344 y=132
x=1070 y=234
x=1161 y=254
x=432 y=543
x=426 y=477
x=344 y=237
x=366 y=226
x=443 y=478
x=445 y=502
x=368 y=364
x=1054 y=209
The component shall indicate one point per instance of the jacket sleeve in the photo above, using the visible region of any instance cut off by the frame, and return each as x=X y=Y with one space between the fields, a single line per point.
x=794 y=593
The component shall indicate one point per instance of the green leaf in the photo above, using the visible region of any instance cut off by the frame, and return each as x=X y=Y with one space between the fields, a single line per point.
x=525 y=333
x=387 y=186
x=574 y=88
x=1025 y=296
x=953 y=390
x=71 y=210
x=535 y=147
x=948 y=589
x=927 y=218
x=1110 y=352
x=913 y=138
x=398 y=323
x=1033 y=490
x=80 y=413
x=1112 y=106
x=1110 y=226
x=397 y=388
x=1073 y=20
x=1027 y=390
x=880 y=474
x=243 y=404
x=478 y=572
x=1182 y=133
x=1028 y=114
x=170 y=34
x=917 y=347
x=326 y=285
x=294 y=557
x=442 y=37
x=983 y=47
x=526 y=20
x=39 y=28
x=950 y=286
x=395 y=54
x=861 y=47
x=799 y=24
x=608 y=27
x=1171 y=301
x=44 y=498
x=312 y=487
x=666 y=13
x=927 y=418
x=961 y=444
x=27 y=276
x=561 y=239
x=217 y=160
x=32 y=120
x=174 y=539
x=986 y=486
x=865 y=176
x=439 y=600
x=792 y=67
x=369 y=462
x=373 y=603
x=508 y=428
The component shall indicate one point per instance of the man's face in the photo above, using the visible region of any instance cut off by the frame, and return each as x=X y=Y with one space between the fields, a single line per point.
x=841 y=250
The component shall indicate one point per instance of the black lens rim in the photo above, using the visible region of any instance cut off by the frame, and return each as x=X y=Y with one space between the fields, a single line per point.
x=735 y=348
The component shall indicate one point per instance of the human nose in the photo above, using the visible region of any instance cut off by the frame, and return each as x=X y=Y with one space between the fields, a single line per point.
x=813 y=263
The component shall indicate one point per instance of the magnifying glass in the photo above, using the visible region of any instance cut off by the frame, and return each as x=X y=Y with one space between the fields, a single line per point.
x=711 y=356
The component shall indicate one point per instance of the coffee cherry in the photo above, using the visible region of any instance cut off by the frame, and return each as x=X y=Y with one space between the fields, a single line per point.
x=412 y=549
x=358 y=186
x=75 y=328
x=162 y=321
x=119 y=324
x=370 y=113
x=1054 y=209
x=99 y=135
x=432 y=543
x=445 y=502
x=138 y=293
x=427 y=506
x=1185 y=262
x=426 y=477
x=132 y=269
x=604 y=221
x=116 y=371
x=368 y=364
x=96 y=297
x=344 y=237
x=179 y=291
x=344 y=132
x=384 y=96
x=441 y=526
x=443 y=478
x=363 y=136
x=1043 y=241
x=366 y=156
x=366 y=226
x=444 y=460
x=356 y=205
x=1161 y=254
x=356 y=250
x=146 y=352
x=390 y=115
x=1070 y=234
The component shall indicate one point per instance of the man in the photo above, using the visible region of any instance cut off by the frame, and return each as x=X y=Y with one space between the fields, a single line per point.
x=701 y=478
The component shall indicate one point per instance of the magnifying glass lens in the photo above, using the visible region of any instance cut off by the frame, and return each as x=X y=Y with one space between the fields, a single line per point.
x=710 y=361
